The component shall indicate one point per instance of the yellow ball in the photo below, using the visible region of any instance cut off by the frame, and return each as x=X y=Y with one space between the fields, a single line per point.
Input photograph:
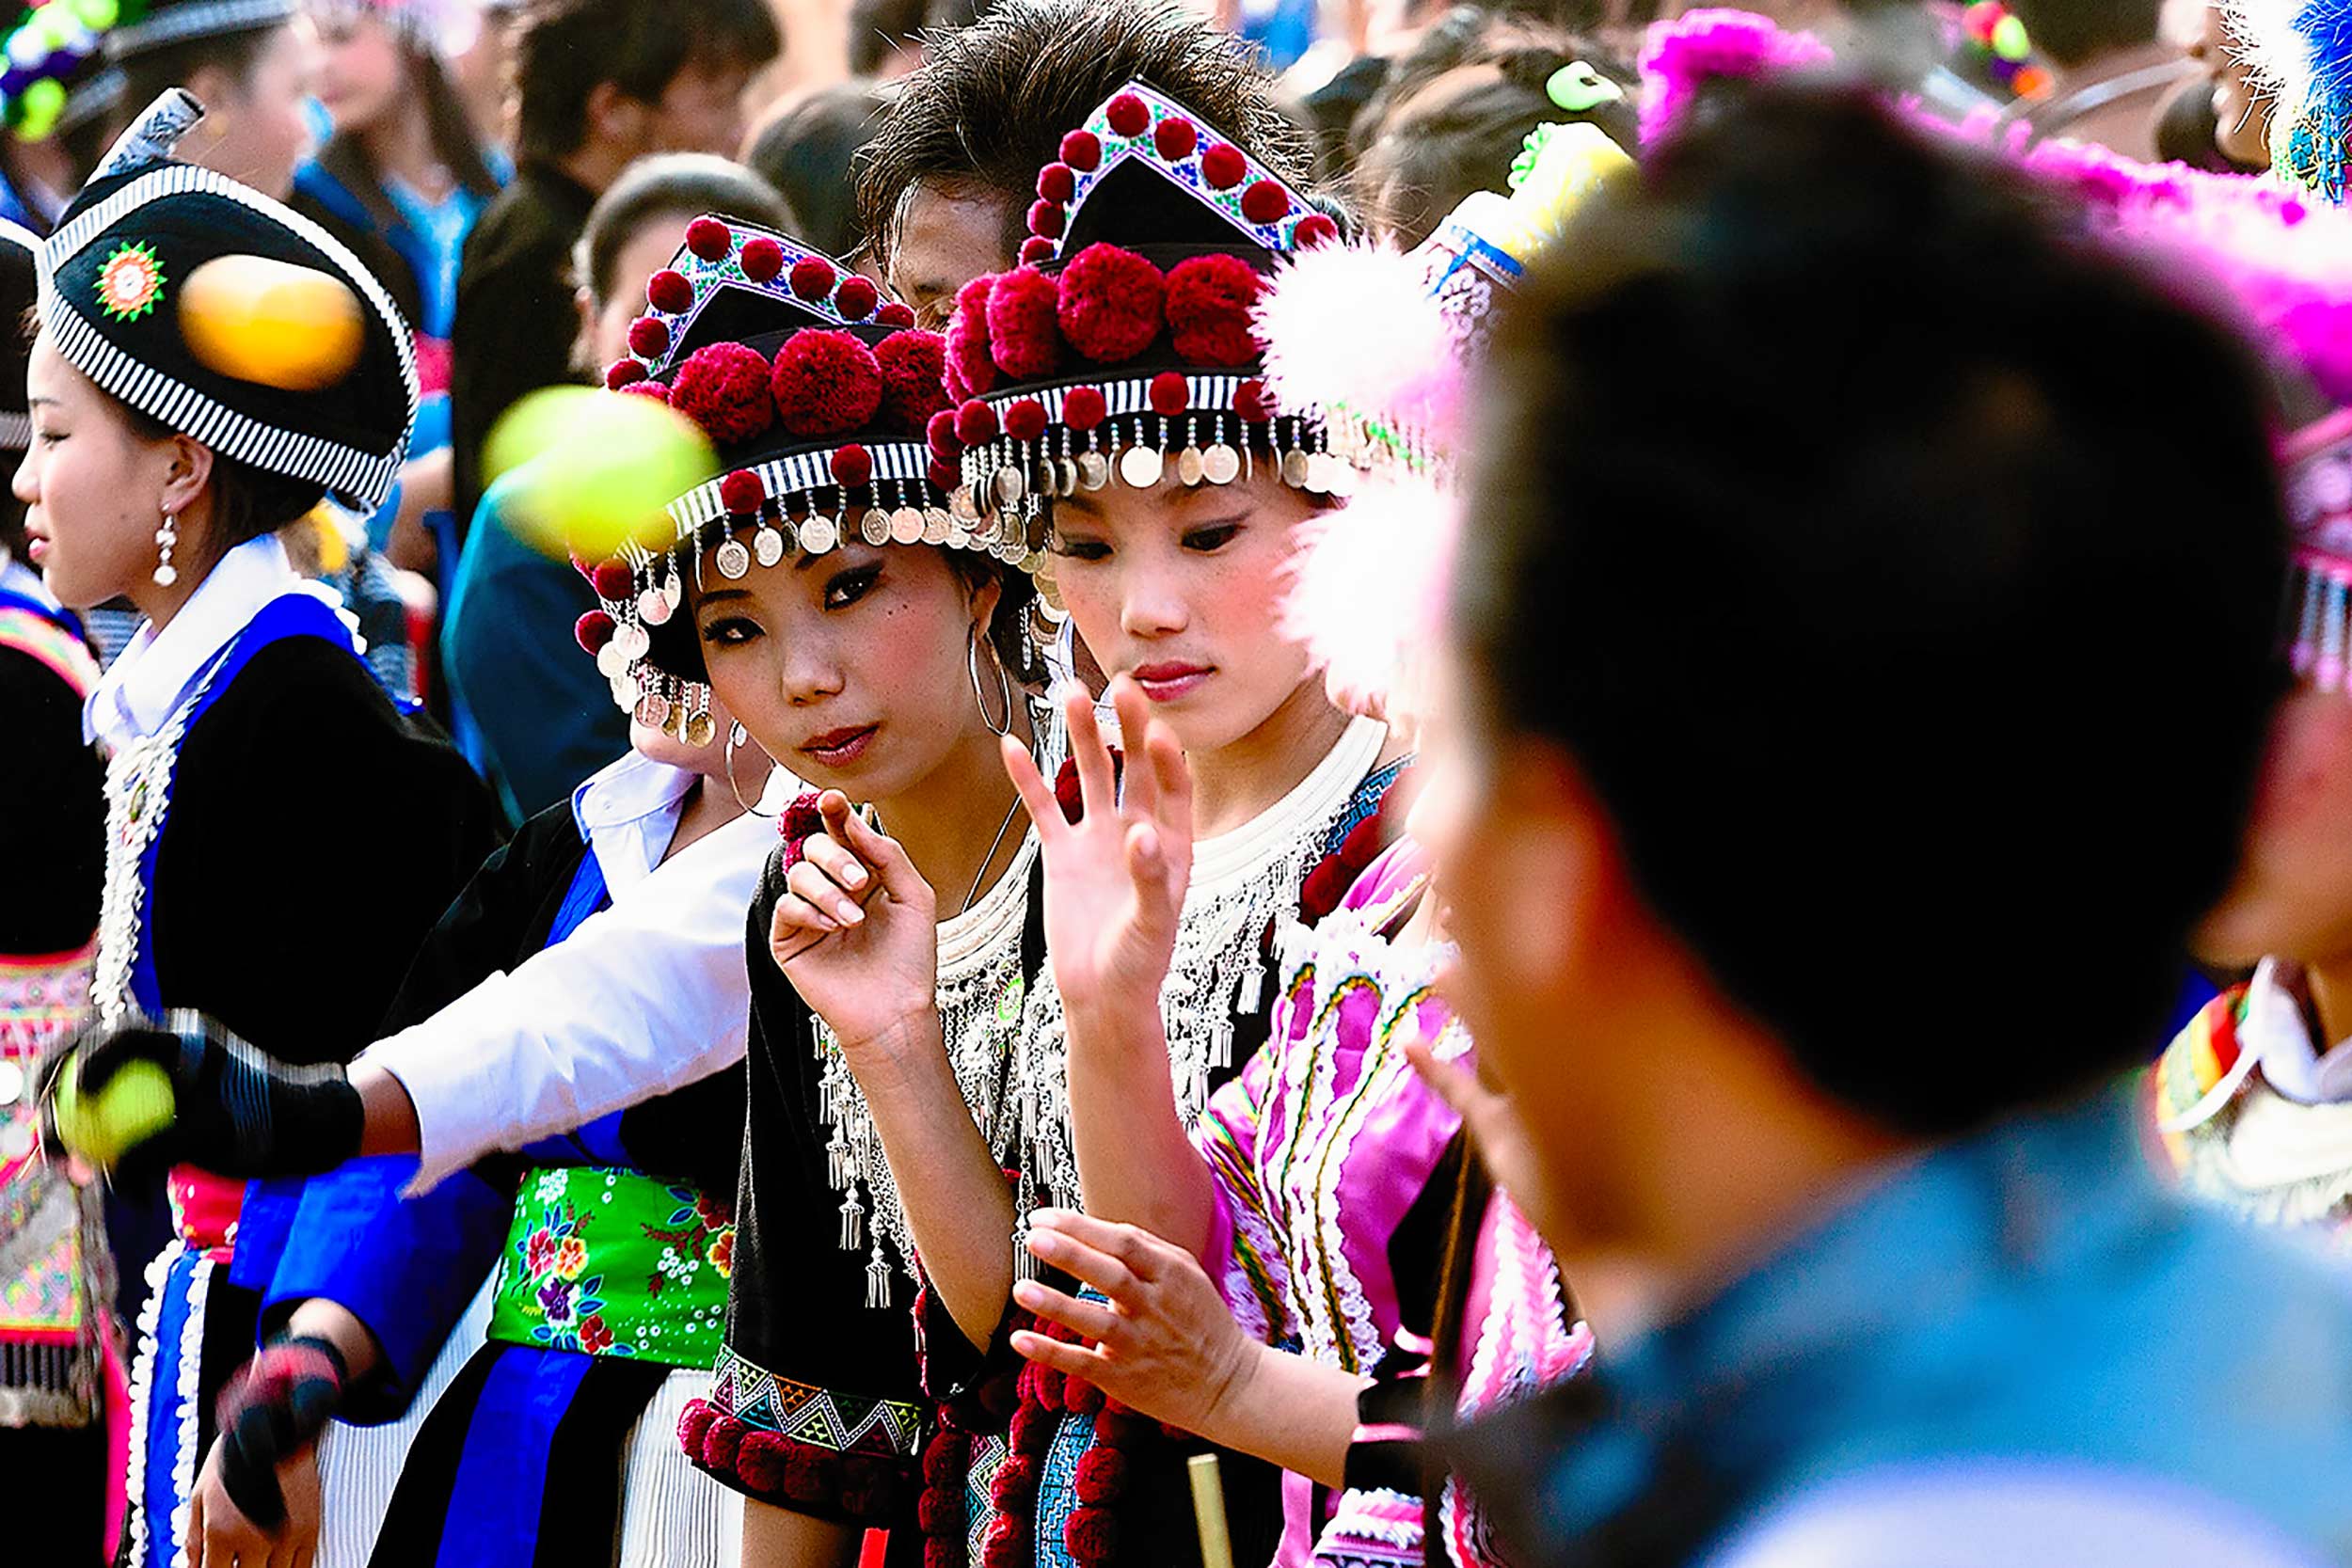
x=269 y=322
x=588 y=470
x=134 y=1106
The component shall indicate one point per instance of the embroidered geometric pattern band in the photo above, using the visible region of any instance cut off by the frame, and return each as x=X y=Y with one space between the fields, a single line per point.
x=187 y=21
x=843 y=1424
x=344 y=469
x=905 y=461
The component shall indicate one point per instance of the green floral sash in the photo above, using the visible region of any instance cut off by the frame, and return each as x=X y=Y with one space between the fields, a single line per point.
x=609 y=1263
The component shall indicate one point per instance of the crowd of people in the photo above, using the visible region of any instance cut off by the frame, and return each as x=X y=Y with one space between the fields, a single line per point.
x=1528 y=573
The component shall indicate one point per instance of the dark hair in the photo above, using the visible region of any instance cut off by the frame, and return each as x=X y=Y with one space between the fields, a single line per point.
x=150 y=74
x=248 y=502
x=1867 y=538
x=566 y=48
x=807 y=152
x=1456 y=132
x=451 y=130
x=2073 y=31
x=681 y=183
x=988 y=105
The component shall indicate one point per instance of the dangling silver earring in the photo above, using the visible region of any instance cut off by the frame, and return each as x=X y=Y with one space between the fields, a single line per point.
x=167 y=536
x=737 y=735
x=1003 y=684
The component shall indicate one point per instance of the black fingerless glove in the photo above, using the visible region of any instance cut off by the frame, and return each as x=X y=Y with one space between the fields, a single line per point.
x=273 y=1409
x=235 y=1110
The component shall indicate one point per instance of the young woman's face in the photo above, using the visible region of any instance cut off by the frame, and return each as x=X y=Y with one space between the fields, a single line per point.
x=848 y=668
x=360 y=75
x=1182 y=589
x=91 y=486
x=254 y=130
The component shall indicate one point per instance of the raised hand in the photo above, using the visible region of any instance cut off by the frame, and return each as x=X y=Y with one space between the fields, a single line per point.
x=1115 y=880
x=856 y=931
x=234 y=1109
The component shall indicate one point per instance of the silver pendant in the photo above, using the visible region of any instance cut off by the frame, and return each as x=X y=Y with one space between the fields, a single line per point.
x=700 y=729
x=1220 y=463
x=1094 y=470
x=960 y=505
x=1294 y=468
x=1009 y=488
x=768 y=545
x=733 y=559
x=1140 y=468
x=904 y=526
x=937 y=525
x=819 y=535
x=1043 y=484
x=673 y=587
x=653 y=711
x=874 y=526
x=1065 y=478
x=625 y=692
x=652 y=608
x=613 y=659
x=1188 y=468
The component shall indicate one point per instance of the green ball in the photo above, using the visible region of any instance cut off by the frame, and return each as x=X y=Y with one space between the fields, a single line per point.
x=2010 y=41
x=134 y=1106
x=98 y=15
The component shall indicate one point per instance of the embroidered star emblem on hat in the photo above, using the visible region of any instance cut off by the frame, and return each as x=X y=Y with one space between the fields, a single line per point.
x=130 y=282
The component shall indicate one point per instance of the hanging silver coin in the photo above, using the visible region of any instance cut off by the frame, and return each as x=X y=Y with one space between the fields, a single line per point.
x=959 y=505
x=652 y=608
x=1294 y=468
x=1008 y=486
x=1065 y=478
x=936 y=526
x=625 y=692
x=673 y=587
x=612 y=658
x=1046 y=477
x=1139 y=468
x=1220 y=463
x=874 y=526
x=905 y=526
x=1094 y=469
x=1188 y=468
x=733 y=559
x=819 y=535
x=675 y=725
x=768 y=545
x=653 y=711
x=700 y=729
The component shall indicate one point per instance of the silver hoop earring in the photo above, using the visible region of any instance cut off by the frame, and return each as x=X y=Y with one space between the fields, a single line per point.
x=1003 y=684
x=737 y=735
x=166 y=537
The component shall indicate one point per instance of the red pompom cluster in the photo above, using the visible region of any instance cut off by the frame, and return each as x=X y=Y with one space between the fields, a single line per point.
x=649 y=336
x=1128 y=115
x=614 y=580
x=723 y=387
x=1110 y=303
x=976 y=421
x=799 y=822
x=1315 y=228
x=1265 y=201
x=894 y=315
x=770 y=1464
x=1223 y=166
x=623 y=373
x=941 y=434
x=853 y=466
x=1035 y=251
x=1084 y=408
x=1174 y=139
x=856 y=297
x=652 y=392
x=709 y=238
x=669 y=291
x=1045 y=219
x=1170 y=394
x=912 y=364
x=824 y=383
x=1023 y=337
x=812 y=277
x=1252 y=404
x=1057 y=182
x=742 y=493
x=1209 y=302
x=591 y=631
x=1082 y=151
x=1025 y=421
x=970 y=370
x=762 y=259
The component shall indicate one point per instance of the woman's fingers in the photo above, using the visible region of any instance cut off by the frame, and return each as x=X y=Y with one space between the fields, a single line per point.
x=1172 y=782
x=809 y=881
x=1138 y=790
x=1087 y=1264
x=837 y=860
x=1091 y=1318
x=1098 y=785
x=888 y=857
x=798 y=925
x=1137 y=1248
x=1059 y=1354
x=1036 y=796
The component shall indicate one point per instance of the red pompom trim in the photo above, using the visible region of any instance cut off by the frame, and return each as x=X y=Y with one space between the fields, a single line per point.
x=976 y=421
x=1014 y=1485
x=1110 y=303
x=870 y=1488
x=825 y=383
x=649 y=336
x=591 y=631
x=1250 y=402
x=1090 y=1535
x=614 y=580
x=1314 y=229
x=763 y=1461
x=947 y=1457
x=853 y=466
x=1026 y=420
x=709 y=238
x=1223 y=166
x=1101 y=1476
x=742 y=492
x=723 y=387
x=1265 y=201
x=1084 y=408
x=623 y=373
x=970 y=370
x=652 y=389
x=1174 y=139
x=1007 y=1542
x=1082 y=151
x=944 y=1550
x=1032 y=1429
x=1129 y=114
x=1023 y=337
x=1170 y=395
x=721 y=1442
x=1209 y=301
x=1081 y=1398
x=693 y=1422
x=762 y=259
x=938 y=1512
x=998 y=1398
x=1035 y=251
x=912 y=365
x=812 y=277
x=668 y=290
x=1045 y=219
x=943 y=474
x=856 y=297
x=1057 y=184
x=808 y=1474
x=1046 y=1387
x=939 y=435
x=895 y=314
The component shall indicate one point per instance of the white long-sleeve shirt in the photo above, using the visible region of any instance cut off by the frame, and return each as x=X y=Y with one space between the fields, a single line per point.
x=645 y=997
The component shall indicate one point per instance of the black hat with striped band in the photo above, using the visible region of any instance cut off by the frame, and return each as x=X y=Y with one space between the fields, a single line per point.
x=1124 y=346
x=19 y=286
x=160 y=23
x=229 y=317
x=817 y=393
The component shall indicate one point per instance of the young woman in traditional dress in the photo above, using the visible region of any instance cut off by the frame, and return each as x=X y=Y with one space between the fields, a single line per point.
x=171 y=436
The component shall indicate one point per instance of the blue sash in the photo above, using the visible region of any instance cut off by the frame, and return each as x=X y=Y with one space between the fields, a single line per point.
x=11 y=599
